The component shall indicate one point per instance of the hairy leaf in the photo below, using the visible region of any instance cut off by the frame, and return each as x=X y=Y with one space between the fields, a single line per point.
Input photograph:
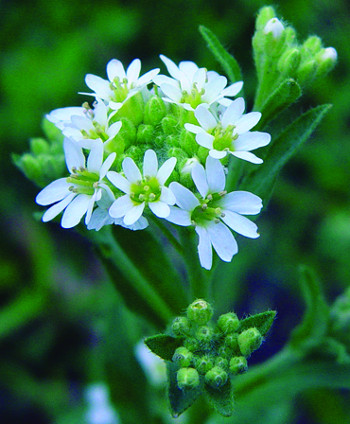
x=262 y=322
x=163 y=345
x=221 y=399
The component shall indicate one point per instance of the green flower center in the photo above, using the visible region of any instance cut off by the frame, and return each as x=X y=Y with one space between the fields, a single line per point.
x=83 y=181
x=224 y=138
x=120 y=88
x=208 y=210
x=193 y=98
x=148 y=190
x=97 y=132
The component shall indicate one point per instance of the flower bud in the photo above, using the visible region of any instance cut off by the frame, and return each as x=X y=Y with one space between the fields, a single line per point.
x=187 y=378
x=306 y=71
x=182 y=357
x=275 y=27
x=203 y=364
x=221 y=362
x=216 y=377
x=155 y=111
x=170 y=125
x=238 y=364
x=228 y=323
x=181 y=326
x=145 y=133
x=188 y=142
x=225 y=352
x=326 y=60
x=127 y=132
x=231 y=341
x=311 y=46
x=199 y=312
x=191 y=344
x=204 y=334
x=289 y=62
x=30 y=166
x=39 y=146
x=249 y=340
x=265 y=14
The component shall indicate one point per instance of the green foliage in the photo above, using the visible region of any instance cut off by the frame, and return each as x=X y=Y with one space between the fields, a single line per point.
x=163 y=345
x=261 y=322
x=221 y=399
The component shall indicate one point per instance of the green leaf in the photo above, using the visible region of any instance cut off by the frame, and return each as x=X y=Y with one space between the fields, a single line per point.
x=337 y=349
x=227 y=61
x=313 y=327
x=163 y=345
x=262 y=322
x=221 y=399
x=180 y=400
x=262 y=180
x=285 y=94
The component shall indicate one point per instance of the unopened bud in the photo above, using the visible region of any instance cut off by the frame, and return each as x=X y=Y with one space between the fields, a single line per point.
x=249 y=340
x=228 y=323
x=181 y=326
x=204 y=334
x=144 y=133
x=221 y=362
x=39 y=146
x=187 y=378
x=203 y=364
x=183 y=357
x=155 y=111
x=275 y=27
x=231 y=341
x=238 y=364
x=191 y=344
x=289 y=62
x=199 y=312
x=216 y=377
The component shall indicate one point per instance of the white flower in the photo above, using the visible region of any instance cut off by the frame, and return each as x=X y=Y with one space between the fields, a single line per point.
x=77 y=194
x=120 y=85
x=141 y=190
x=191 y=86
x=329 y=53
x=230 y=133
x=275 y=27
x=214 y=212
x=83 y=125
x=99 y=410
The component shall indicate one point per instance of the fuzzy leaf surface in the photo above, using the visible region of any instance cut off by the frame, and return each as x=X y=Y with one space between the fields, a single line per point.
x=163 y=345
x=221 y=399
x=262 y=322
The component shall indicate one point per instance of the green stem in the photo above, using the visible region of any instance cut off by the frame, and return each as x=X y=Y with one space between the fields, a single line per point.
x=198 y=278
x=169 y=235
x=113 y=252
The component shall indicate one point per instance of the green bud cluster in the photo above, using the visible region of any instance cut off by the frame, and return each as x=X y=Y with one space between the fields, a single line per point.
x=278 y=56
x=211 y=353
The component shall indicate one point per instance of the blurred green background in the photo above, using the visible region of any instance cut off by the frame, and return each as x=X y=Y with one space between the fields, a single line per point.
x=61 y=324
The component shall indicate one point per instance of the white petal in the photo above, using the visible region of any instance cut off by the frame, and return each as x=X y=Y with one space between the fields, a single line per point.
x=215 y=175
x=94 y=197
x=167 y=196
x=188 y=68
x=184 y=197
x=205 y=251
x=233 y=89
x=64 y=114
x=99 y=218
x=240 y=224
x=131 y=171
x=113 y=130
x=223 y=241
x=147 y=77
x=159 y=209
x=195 y=129
x=174 y=93
x=115 y=69
x=247 y=122
x=140 y=224
x=133 y=71
x=242 y=202
x=52 y=212
x=75 y=211
x=233 y=113
x=217 y=154
x=165 y=170
x=205 y=140
x=252 y=140
x=199 y=78
x=121 y=206
x=179 y=216
x=150 y=164
x=99 y=85
x=248 y=156
x=54 y=192
x=213 y=89
x=200 y=179
x=95 y=158
x=134 y=214
x=119 y=181
x=73 y=154
x=107 y=164
x=173 y=70
x=164 y=79
x=100 y=113
x=205 y=118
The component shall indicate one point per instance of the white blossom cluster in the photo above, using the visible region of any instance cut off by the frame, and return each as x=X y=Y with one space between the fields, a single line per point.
x=118 y=178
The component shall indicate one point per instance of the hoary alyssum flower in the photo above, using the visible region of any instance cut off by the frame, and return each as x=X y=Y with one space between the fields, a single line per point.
x=120 y=85
x=141 y=190
x=77 y=194
x=191 y=86
x=214 y=212
x=230 y=133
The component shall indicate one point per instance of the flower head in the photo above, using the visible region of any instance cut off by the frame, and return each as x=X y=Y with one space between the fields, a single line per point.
x=230 y=133
x=214 y=211
x=77 y=194
x=141 y=190
x=121 y=84
x=191 y=86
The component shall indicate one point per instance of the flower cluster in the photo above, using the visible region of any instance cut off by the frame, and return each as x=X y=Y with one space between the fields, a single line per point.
x=157 y=144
